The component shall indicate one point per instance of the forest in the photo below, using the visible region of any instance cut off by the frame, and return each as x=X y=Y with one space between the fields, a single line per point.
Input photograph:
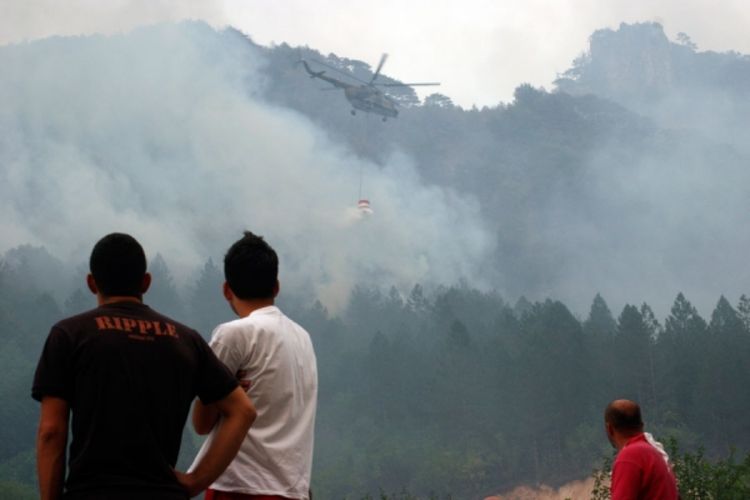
x=617 y=184
x=451 y=390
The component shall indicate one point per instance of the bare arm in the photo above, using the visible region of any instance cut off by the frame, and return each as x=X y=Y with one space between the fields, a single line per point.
x=204 y=417
x=237 y=415
x=52 y=437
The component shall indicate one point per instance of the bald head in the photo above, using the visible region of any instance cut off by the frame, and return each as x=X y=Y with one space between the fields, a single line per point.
x=624 y=416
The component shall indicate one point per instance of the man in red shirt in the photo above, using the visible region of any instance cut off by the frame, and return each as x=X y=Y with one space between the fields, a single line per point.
x=641 y=471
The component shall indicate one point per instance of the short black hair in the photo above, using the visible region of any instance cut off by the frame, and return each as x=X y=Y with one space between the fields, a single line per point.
x=118 y=265
x=624 y=415
x=251 y=267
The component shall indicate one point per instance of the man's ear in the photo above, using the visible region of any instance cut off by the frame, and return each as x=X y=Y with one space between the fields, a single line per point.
x=146 y=283
x=610 y=429
x=228 y=293
x=276 y=289
x=91 y=283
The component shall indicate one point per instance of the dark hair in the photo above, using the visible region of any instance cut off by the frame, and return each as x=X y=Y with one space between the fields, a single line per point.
x=624 y=416
x=118 y=265
x=251 y=268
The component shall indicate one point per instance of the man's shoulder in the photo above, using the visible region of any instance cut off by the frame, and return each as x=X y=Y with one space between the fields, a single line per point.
x=286 y=321
x=637 y=451
x=265 y=323
x=69 y=321
x=150 y=313
x=265 y=319
x=235 y=330
x=237 y=325
x=142 y=312
x=287 y=326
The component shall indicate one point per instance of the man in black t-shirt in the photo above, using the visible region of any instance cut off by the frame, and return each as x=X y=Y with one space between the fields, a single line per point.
x=128 y=374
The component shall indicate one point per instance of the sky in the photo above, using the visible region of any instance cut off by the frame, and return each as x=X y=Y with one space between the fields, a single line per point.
x=480 y=50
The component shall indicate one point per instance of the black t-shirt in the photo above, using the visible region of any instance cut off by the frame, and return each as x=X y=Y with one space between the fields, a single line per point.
x=129 y=375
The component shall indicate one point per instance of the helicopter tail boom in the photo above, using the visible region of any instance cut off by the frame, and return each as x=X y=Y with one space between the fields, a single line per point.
x=313 y=74
x=321 y=75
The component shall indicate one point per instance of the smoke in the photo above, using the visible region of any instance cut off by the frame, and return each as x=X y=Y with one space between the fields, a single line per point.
x=667 y=219
x=574 y=489
x=35 y=19
x=162 y=133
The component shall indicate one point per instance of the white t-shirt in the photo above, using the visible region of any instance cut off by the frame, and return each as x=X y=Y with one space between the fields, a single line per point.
x=277 y=354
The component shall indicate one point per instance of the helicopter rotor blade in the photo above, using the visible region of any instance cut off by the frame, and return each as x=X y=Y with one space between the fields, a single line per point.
x=425 y=84
x=339 y=71
x=380 y=66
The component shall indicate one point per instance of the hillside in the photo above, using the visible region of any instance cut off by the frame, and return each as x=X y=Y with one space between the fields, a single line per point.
x=639 y=67
x=643 y=140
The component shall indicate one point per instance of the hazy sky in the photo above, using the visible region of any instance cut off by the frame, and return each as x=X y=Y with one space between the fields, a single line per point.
x=480 y=50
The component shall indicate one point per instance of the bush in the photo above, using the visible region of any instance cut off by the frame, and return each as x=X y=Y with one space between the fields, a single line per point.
x=698 y=478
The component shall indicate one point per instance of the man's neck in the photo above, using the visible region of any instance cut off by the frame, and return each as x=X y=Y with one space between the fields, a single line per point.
x=244 y=308
x=625 y=439
x=103 y=300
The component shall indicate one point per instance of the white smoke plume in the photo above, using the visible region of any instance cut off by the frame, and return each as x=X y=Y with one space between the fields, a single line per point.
x=161 y=133
x=574 y=489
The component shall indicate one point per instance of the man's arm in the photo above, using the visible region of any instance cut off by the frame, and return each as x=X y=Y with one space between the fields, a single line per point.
x=237 y=415
x=626 y=480
x=204 y=417
x=52 y=438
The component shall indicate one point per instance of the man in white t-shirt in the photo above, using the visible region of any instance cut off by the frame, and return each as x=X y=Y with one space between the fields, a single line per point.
x=274 y=359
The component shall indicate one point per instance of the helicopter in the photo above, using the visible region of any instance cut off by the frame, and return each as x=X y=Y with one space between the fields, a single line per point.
x=364 y=96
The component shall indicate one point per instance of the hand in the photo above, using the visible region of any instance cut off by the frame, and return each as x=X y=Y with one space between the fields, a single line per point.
x=187 y=481
x=245 y=384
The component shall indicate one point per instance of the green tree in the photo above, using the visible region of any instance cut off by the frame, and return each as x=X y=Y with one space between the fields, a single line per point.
x=417 y=302
x=162 y=295
x=438 y=100
x=679 y=356
x=722 y=375
x=684 y=322
x=725 y=320
x=743 y=311
x=649 y=318
x=634 y=357
x=208 y=307
x=554 y=366
x=78 y=302
x=600 y=320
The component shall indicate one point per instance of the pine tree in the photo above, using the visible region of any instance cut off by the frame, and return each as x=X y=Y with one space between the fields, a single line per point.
x=725 y=320
x=162 y=295
x=600 y=320
x=681 y=353
x=78 y=301
x=208 y=307
x=722 y=375
x=654 y=327
x=684 y=322
x=743 y=311
x=633 y=354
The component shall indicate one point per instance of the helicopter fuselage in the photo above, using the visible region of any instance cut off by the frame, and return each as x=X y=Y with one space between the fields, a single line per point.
x=370 y=100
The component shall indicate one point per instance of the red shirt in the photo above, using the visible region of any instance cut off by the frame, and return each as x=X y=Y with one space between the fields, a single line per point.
x=640 y=473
